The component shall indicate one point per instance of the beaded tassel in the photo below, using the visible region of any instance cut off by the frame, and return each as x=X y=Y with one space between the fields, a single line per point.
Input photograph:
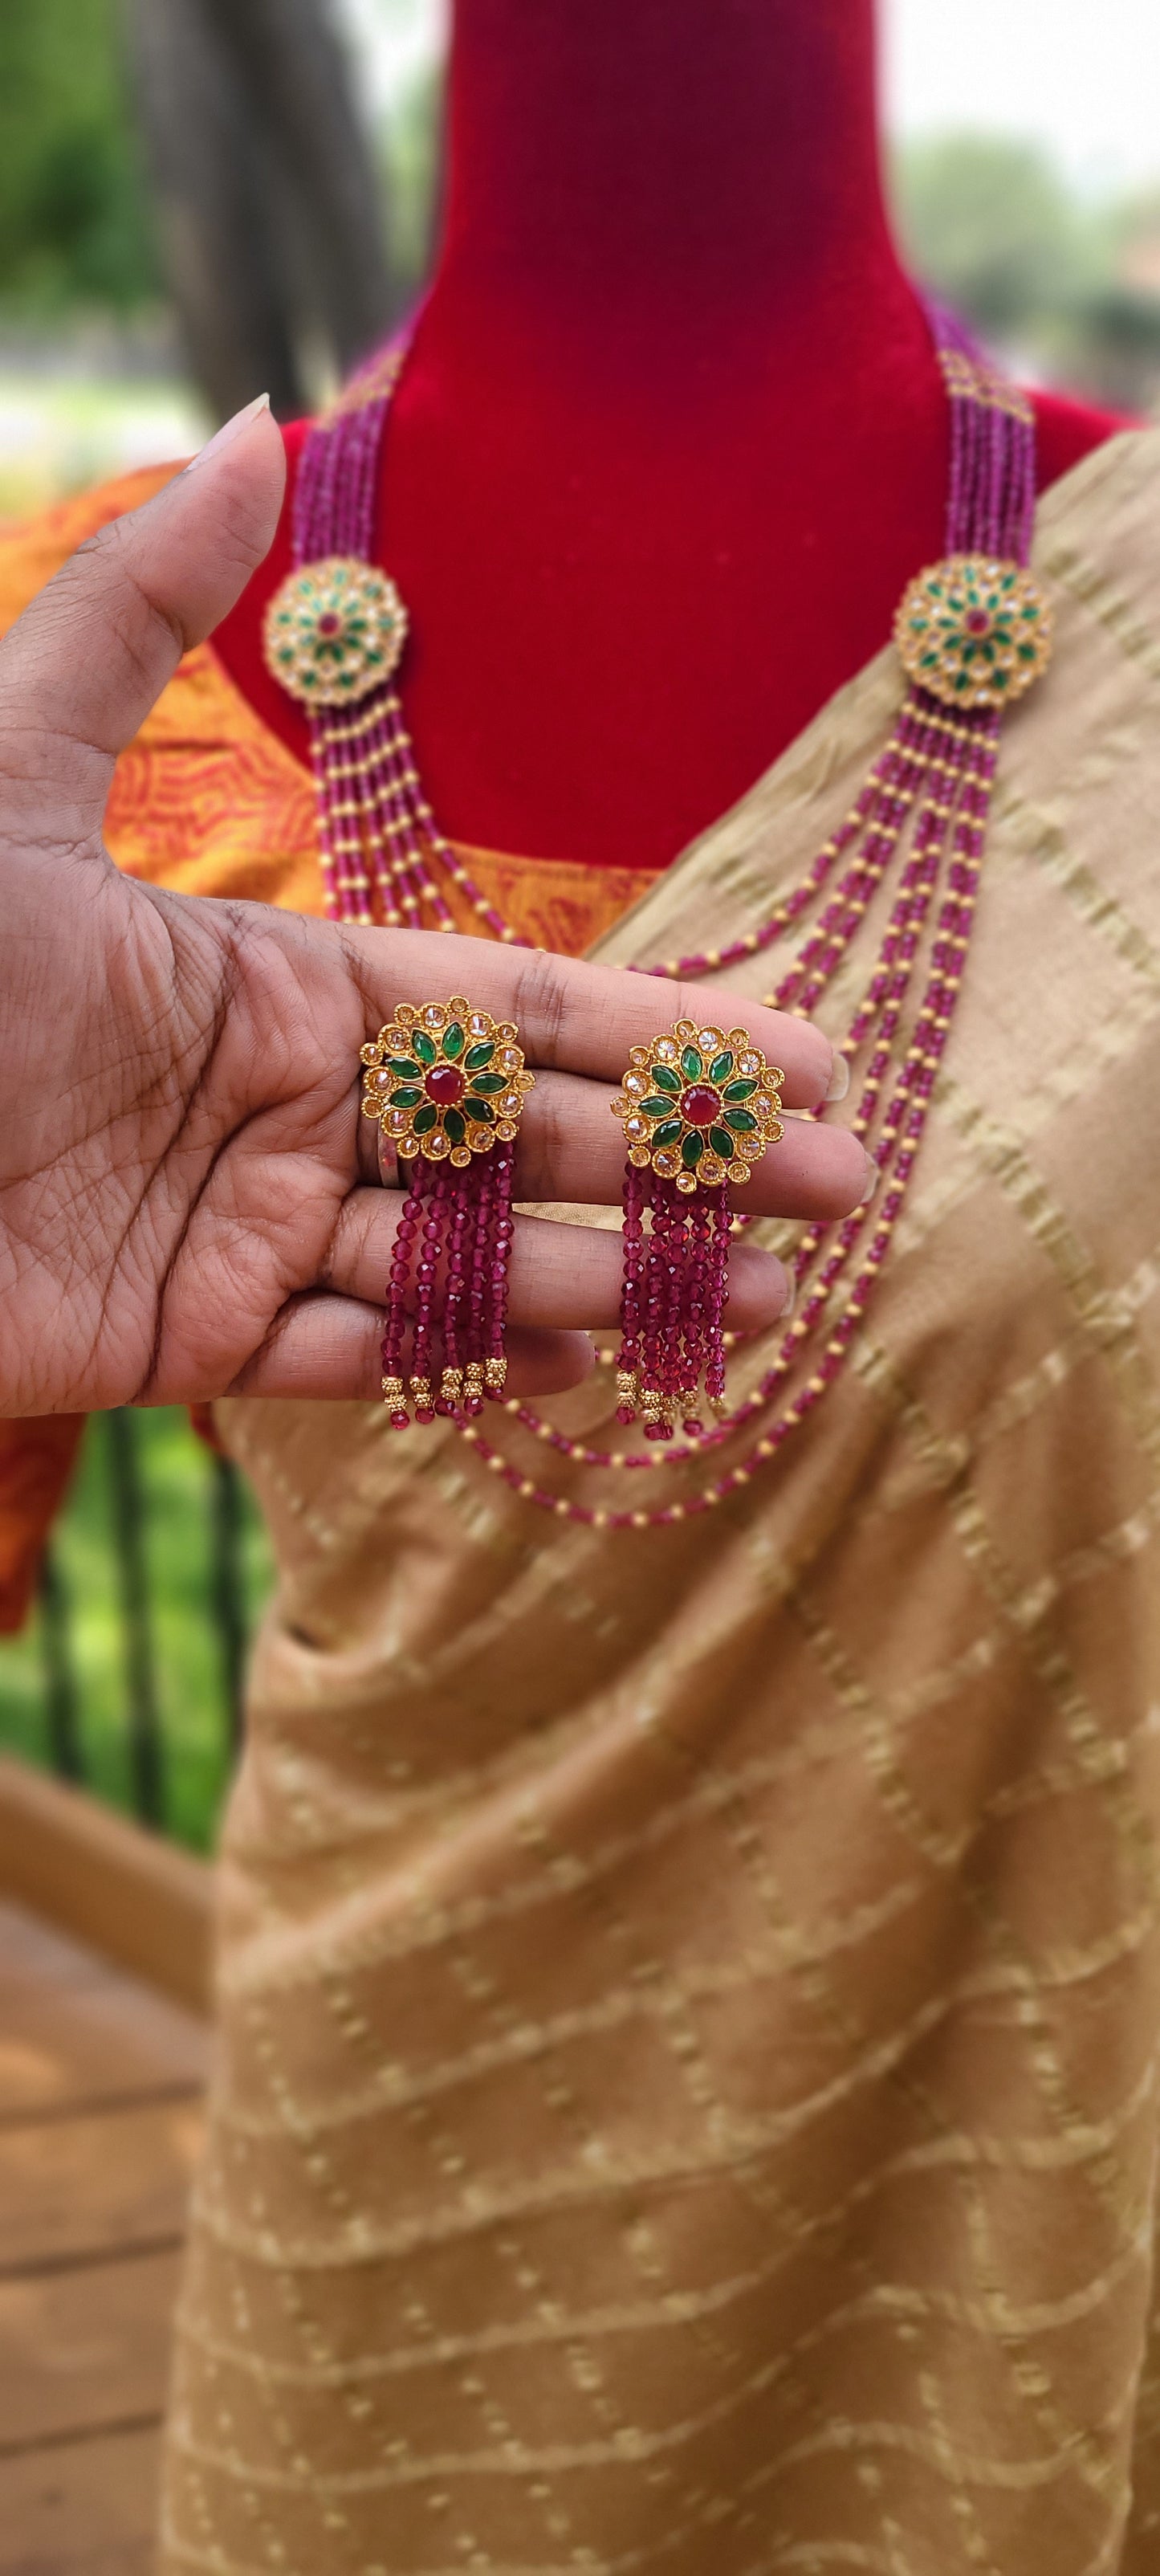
x=382 y=852
x=672 y=1337
x=454 y=1232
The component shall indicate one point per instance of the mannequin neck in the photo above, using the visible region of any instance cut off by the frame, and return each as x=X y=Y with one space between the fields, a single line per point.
x=672 y=434
x=682 y=169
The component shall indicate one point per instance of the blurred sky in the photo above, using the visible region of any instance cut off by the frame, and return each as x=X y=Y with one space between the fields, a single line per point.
x=1082 y=75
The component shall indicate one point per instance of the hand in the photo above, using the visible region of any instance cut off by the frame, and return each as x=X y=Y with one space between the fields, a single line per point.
x=183 y=1213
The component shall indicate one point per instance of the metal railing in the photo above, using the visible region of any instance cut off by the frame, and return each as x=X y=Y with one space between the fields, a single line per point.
x=143 y=1679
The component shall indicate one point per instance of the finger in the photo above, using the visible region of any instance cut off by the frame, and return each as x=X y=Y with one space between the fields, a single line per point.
x=576 y=1017
x=560 y=1276
x=82 y=667
x=328 y=1349
x=572 y=1148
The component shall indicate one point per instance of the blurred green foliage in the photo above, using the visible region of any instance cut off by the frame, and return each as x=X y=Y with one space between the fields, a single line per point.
x=409 y=142
x=991 y=223
x=176 y=1471
x=73 y=216
x=1068 y=285
x=75 y=223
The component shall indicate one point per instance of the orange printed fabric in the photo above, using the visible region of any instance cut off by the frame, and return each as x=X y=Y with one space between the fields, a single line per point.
x=207 y=801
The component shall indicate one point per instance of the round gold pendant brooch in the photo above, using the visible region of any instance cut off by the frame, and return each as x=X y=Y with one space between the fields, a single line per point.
x=334 y=631
x=975 y=631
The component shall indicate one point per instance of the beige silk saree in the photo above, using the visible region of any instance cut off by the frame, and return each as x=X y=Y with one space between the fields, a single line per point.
x=690 y=2002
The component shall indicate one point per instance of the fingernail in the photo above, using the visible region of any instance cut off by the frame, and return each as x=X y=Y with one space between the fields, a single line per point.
x=229 y=429
x=839 y=1082
x=873 y=1177
x=790 y=1297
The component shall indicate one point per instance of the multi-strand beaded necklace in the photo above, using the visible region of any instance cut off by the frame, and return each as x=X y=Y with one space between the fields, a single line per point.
x=972 y=633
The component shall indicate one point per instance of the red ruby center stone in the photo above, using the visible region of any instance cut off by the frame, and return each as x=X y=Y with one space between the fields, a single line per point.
x=445 y=1084
x=977 y=622
x=700 y=1105
x=330 y=623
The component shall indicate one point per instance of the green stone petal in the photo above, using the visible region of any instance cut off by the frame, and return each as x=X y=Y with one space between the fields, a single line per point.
x=480 y=1110
x=666 y=1135
x=426 y=1118
x=454 y=1041
x=404 y=1099
x=741 y=1090
x=657 y=1107
x=721 y=1067
x=691 y=1065
x=423 y=1047
x=664 y=1077
x=722 y=1142
x=692 y=1149
x=741 y=1121
x=489 y=1082
x=403 y=1069
x=455 y=1124
x=477 y=1056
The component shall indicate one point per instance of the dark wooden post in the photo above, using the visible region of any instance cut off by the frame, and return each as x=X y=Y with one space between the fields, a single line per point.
x=61 y=1699
x=146 y=1759
x=227 y=1591
x=268 y=202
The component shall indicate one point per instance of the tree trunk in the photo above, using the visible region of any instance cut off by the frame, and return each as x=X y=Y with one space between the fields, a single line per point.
x=268 y=202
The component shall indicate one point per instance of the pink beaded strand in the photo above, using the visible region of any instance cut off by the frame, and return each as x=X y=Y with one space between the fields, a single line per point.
x=924 y=806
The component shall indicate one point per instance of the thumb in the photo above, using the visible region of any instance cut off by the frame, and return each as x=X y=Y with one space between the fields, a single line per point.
x=80 y=670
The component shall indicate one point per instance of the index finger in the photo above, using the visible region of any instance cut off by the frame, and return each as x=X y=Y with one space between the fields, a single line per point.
x=578 y=1018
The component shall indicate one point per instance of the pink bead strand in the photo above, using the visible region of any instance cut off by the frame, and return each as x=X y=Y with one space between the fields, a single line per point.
x=924 y=805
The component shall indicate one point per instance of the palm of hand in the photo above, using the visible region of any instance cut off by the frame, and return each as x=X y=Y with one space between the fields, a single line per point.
x=182 y=1213
x=160 y=1204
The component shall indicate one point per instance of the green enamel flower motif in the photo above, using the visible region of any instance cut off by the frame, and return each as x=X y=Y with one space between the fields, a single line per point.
x=445 y=1081
x=700 y=1106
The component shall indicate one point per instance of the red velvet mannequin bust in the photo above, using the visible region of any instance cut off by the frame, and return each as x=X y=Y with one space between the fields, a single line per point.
x=672 y=436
